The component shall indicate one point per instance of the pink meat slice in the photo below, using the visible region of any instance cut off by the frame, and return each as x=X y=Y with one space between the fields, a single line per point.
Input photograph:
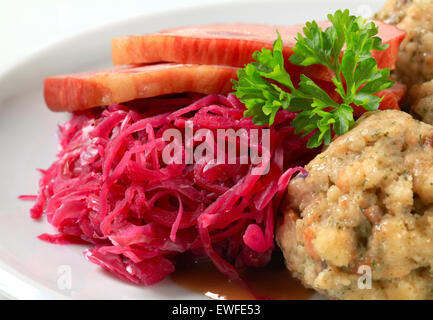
x=81 y=91
x=229 y=44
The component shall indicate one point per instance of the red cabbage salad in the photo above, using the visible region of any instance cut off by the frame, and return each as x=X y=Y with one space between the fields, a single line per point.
x=110 y=188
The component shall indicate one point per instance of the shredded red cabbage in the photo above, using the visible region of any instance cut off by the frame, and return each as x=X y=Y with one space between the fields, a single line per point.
x=110 y=188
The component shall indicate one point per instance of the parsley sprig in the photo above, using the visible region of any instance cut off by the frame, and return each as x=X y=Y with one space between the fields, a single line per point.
x=264 y=86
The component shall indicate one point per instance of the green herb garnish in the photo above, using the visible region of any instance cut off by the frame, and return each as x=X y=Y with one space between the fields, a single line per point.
x=356 y=78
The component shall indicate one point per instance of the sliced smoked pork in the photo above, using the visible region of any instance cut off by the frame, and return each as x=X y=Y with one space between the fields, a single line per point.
x=230 y=44
x=81 y=91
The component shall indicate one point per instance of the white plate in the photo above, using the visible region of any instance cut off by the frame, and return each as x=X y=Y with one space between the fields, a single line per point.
x=32 y=269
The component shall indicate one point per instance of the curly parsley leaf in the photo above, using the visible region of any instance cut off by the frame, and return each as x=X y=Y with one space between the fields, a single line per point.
x=265 y=86
x=262 y=98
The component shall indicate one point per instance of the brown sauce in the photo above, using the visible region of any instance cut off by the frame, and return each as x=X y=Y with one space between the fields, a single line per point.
x=273 y=282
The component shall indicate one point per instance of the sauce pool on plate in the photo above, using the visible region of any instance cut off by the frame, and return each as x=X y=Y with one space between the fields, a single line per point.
x=272 y=282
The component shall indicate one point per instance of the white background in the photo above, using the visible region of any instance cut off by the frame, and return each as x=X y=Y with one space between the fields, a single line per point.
x=28 y=25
